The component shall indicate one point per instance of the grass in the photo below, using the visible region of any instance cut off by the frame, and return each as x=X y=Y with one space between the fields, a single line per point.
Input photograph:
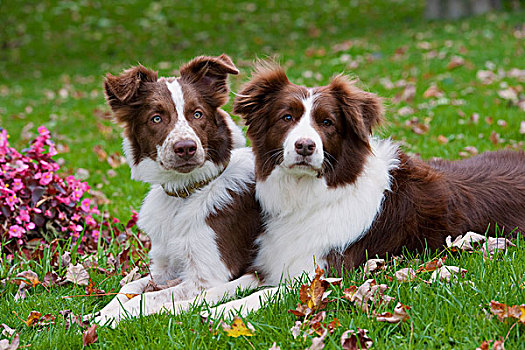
x=54 y=56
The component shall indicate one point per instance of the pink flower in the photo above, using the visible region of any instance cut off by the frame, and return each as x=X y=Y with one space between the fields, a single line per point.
x=65 y=200
x=48 y=213
x=75 y=217
x=95 y=234
x=79 y=228
x=85 y=205
x=11 y=201
x=61 y=215
x=90 y=221
x=52 y=151
x=77 y=193
x=24 y=215
x=42 y=130
x=95 y=210
x=17 y=184
x=30 y=226
x=46 y=178
x=16 y=231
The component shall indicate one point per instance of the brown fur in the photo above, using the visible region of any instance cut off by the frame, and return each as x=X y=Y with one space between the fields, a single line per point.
x=427 y=201
x=138 y=94
x=237 y=227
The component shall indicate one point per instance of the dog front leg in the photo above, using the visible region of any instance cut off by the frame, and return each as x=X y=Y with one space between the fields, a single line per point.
x=127 y=291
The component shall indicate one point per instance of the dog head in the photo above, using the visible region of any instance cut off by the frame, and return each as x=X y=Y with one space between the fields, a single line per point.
x=173 y=126
x=321 y=131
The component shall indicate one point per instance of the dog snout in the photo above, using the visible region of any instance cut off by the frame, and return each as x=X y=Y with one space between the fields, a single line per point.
x=185 y=149
x=305 y=147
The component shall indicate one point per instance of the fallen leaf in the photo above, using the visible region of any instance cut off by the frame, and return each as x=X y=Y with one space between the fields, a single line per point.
x=432 y=265
x=494 y=137
x=407 y=95
x=369 y=291
x=70 y=316
x=442 y=139
x=50 y=279
x=486 y=76
x=494 y=245
x=318 y=342
x=503 y=311
x=373 y=266
x=91 y=289
x=7 y=331
x=33 y=318
x=27 y=277
x=90 y=336
x=456 y=61
x=101 y=154
x=77 y=274
x=275 y=347
x=131 y=276
x=238 y=328
x=350 y=340
x=296 y=329
x=508 y=94
x=400 y=314
x=313 y=297
x=433 y=91
x=522 y=128
x=406 y=275
x=467 y=242
x=447 y=273
x=65 y=259
x=5 y=345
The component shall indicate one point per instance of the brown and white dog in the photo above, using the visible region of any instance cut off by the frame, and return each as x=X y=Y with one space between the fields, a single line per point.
x=200 y=213
x=332 y=194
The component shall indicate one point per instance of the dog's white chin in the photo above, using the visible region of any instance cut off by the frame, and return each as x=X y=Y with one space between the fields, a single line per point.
x=300 y=170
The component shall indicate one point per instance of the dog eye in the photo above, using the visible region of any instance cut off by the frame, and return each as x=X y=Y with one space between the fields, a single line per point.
x=197 y=115
x=327 y=122
x=156 y=119
x=287 y=118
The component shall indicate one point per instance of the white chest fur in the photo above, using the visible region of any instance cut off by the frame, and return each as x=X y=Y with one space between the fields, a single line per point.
x=183 y=245
x=305 y=219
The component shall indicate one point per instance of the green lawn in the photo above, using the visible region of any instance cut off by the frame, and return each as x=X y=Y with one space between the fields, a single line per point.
x=54 y=54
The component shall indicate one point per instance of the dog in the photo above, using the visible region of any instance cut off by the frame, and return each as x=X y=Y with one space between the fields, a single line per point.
x=332 y=194
x=200 y=214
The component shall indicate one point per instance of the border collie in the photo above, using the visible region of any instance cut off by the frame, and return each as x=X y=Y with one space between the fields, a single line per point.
x=333 y=195
x=200 y=214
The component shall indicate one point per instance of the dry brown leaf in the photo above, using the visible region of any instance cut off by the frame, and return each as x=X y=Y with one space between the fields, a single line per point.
x=494 y=245
x=442 y=139
x=456 y=61
x=433 y=91
x=6 y=345
x=369 y=291
x=503 y=311
x=6 y=330
x=33 y=318
x=494 y=137
x=131 y=276
x=406 y=95
x=447 y=273
x=318 y=343
x=467 y=242
x=350 y=340
x=90 y=336
x=101 y=154
x=77 y=274
x=28 y=278
x=374 y=266
x=432 y=265
x=50 y=279
x=400 y=314
x=406 y=275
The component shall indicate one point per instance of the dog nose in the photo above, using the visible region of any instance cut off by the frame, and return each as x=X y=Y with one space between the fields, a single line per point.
x=185 y=149
x=305 y=147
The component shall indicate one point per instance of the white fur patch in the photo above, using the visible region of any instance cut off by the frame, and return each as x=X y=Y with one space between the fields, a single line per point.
x=183 y=245
x=304 y=130
x=305 y=219
x=182 y=130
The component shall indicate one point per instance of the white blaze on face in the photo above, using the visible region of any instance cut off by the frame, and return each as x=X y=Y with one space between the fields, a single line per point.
x=181 y=130
x=304 y=129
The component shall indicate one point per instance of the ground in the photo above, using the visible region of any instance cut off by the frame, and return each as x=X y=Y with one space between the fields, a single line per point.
x=451 y=89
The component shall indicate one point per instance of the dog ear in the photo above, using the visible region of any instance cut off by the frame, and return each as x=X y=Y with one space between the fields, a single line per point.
x=362 y=110
x=267 y=80
x=210 y=75
x=121 y=89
